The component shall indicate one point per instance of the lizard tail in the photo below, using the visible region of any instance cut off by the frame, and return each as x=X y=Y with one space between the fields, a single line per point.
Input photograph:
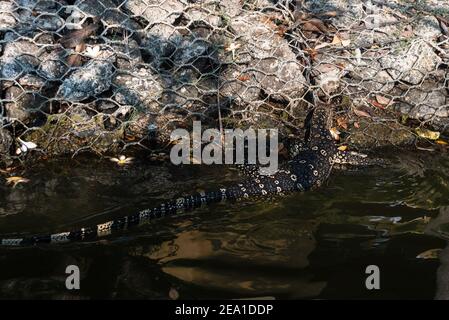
x=168 y=208
x=261 y=186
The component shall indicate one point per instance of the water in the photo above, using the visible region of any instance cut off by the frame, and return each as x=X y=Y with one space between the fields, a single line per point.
x=312 y=245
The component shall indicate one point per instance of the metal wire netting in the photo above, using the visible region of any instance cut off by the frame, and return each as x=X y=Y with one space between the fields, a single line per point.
x=113 y=75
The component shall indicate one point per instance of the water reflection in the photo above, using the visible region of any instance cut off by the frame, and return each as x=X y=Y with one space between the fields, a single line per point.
x=312 y=245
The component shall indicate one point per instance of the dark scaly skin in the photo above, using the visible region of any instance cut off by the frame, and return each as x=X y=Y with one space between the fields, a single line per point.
x=308 y=169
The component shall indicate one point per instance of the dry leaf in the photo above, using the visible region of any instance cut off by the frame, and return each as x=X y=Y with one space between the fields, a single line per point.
x=427 y=134
x=335 y=133
x=346 y=42
x=342 y=122
x=318 y=24
x=329 y=14
x=342 y=148
x=376 y=104
x=407 y=34
x=312 y=52
x=429 y=254
x=322 y=45
x=356 y=124
x=16 y=180
x=442 y=142
x=382 y=100
x=361 y=113
x=243 y=77
x=336 y=40
x=307 y=26
x=281 y=30
x=173 y=294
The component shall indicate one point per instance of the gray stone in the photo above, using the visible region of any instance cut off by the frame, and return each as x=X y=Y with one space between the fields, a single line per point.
x=231 y=8
x=411 y=63
x=51 y=66
x=204 y=11
x=19 y=57
x=428 y=28
x=139 y=88
x=23 y=104
x=5 y=142
x=156 y=11
x=239 y=84
x=88 y=81
x=369 y=75
x=276 y=68
x=109 y=11
x=128 y=54
x=425 y=102
x=7 y=20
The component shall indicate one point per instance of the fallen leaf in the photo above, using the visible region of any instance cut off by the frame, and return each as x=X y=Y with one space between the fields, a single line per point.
x=342 y=122
x=342 y=148
x=361 y=113
x=346 y=42
x=16 y=180
x=319 y=25
x=407 y=32
x=28 y=144
x=427 y=134
x=329 y=14
x=336 y=40
x=442 y=142
x=122 y=160
x=376 y=104
x=340 y=65
x=281 y=30
x=312 y=53
x=382 y=100
x=307 y=26
x=173 y=294
x=356 y=124
x=243 y=77
x=321 y=46
x=429 y=254
x=335 y=133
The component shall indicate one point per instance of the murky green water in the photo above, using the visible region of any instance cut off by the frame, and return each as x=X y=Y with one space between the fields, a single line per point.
x=312 y=245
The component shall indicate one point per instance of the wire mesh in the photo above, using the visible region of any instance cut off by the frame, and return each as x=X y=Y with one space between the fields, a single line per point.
x=114 y=75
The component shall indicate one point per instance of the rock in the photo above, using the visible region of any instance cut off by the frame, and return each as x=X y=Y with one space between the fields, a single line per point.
x=128 y=54
x=197 y=54
x=5 y=142
x=371 y=134
x=51 y=66
x=367 y=73
x=426 y=102
x=231 y=8
x=205 y=12
x=428 y=28
x=239 y=83
x=88 y=81
x=156 y=11
x=276 y=69
x=23 y=105
x=73 y=130
x=33 y=82
x=139 y=88
x=109 y=11
x=411 y=63
x=19 y=57
x=7 y=20
x=33 y=15
x=327 y=77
